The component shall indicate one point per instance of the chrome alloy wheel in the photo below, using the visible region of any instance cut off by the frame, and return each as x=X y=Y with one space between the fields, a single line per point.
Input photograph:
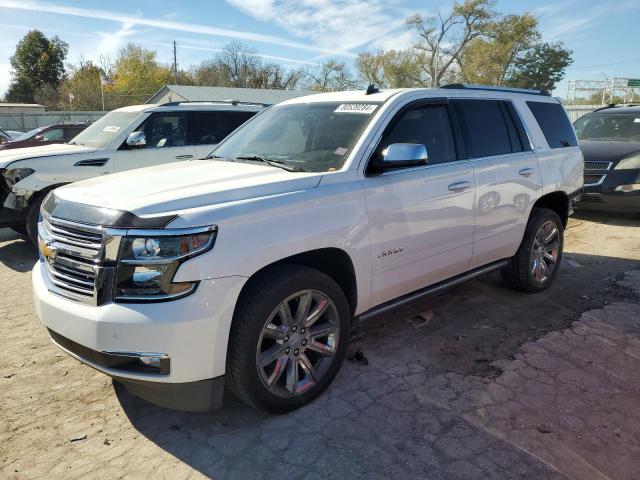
x=297 y=343
x=545 y=250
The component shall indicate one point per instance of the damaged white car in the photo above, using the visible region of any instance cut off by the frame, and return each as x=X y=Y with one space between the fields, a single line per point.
x=124 y=139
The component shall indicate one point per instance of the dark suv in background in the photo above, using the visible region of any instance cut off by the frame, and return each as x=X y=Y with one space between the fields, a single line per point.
x=59 y=133
x=610 y=142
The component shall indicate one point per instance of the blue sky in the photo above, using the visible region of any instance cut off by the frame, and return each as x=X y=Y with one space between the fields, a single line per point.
x=600 y=32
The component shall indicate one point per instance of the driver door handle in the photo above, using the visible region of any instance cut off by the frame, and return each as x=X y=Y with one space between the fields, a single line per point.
x=459 y=186
x=183 y=157
x=526 y=172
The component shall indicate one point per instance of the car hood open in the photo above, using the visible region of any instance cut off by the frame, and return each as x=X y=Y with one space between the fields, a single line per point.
x=184 y=185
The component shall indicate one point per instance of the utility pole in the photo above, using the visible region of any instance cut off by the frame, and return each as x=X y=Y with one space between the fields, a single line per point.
x=175 y=64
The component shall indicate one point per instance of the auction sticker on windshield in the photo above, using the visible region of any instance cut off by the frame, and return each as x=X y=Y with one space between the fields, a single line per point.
x=111 y=128
x=365 y=108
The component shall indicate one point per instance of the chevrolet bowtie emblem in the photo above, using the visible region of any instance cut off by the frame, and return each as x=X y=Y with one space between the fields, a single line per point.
x=48 y=253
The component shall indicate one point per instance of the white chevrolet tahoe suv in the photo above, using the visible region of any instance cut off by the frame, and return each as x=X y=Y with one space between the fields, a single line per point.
x=250 y=268
x=124 y=139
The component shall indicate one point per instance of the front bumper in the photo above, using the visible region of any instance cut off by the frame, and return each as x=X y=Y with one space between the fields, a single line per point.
x=609 y=201
x=192 y=331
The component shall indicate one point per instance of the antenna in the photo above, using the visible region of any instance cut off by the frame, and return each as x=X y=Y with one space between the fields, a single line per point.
x=372 y=89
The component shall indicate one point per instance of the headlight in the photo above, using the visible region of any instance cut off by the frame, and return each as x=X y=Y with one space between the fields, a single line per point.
x=14 y=175
x=628 y=163
x=150 y=259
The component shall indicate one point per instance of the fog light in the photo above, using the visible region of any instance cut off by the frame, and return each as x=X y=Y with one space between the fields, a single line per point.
x=155 y=362
x=633 y=187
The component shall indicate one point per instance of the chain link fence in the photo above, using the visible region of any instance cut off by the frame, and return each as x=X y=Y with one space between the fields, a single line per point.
x=25 y=121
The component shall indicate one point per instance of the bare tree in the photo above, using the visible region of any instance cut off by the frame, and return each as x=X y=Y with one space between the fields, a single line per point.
x=329 y=77
x=443 y=38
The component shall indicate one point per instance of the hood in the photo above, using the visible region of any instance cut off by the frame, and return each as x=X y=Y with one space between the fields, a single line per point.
x=607 y=150
x=185 y=185
x=43 y=151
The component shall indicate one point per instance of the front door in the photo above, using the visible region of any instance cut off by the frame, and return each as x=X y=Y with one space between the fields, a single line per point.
x=421 y=218
x=167 y=141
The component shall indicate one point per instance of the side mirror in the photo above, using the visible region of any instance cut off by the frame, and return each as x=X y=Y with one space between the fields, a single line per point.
x=136 y=140
x=399 y=155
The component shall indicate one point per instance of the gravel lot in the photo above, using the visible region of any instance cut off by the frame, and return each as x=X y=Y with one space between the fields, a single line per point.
x=479 y=382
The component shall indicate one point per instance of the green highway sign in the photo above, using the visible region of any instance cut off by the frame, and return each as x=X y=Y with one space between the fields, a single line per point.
x=633 y=82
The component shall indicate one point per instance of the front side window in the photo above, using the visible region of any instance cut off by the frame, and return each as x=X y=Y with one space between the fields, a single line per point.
x=427 y=125
x=603 y=127
x=165 y=130
x=100 y=133
x=311 y=137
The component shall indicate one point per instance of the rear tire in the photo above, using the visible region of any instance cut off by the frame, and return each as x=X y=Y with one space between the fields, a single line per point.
x=535 y=265
x=288 y=338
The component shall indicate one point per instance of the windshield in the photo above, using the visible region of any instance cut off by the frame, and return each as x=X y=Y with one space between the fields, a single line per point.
x=617 y=127
x=310 y=137
x=100 y=133
x=28 y=135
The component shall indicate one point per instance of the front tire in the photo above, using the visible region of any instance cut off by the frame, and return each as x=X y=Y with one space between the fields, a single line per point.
x=535 y=265
x=288 y=338
x=33 y=215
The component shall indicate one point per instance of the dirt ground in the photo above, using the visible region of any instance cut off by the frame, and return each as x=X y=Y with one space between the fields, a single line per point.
x=479 y=382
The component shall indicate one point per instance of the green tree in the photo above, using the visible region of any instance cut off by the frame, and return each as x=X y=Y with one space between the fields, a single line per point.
x=390 y=69
x=137 y=74
x=83 y=82
x=491 y=59
x=542 y=66
x=37 y=66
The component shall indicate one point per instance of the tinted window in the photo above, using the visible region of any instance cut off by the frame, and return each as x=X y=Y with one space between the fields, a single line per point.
x=165 y=130
x=211 y=127
x=554 y=124
x=487 y=132
x=70 y=132
x=625 y=128
x=428 y=125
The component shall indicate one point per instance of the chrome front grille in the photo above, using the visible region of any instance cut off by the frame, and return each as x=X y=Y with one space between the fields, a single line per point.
x=595 y=172
x=78 y=259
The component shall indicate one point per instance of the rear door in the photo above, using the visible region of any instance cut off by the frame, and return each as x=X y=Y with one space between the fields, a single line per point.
x=167 y=141
x=506 y=174
x=420 y=218
x=207 y=129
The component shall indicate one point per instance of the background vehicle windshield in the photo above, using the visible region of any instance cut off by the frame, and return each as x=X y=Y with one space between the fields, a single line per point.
x=609 y=127
x=100 y=133
x=314 y=137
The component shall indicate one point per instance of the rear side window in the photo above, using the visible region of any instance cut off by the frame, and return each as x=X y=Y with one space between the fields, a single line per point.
x=208 y=128
x=487 y=131
x=428 y=125
x=554 y=124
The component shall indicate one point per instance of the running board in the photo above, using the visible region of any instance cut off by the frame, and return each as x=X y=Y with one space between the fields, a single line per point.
x=431 y=290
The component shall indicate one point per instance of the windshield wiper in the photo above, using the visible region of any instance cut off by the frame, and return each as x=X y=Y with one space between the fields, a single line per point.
x=269 y=161
x=211 y=157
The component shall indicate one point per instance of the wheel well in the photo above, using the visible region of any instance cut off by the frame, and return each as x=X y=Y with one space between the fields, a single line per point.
x=333 y=262
x=556 y=201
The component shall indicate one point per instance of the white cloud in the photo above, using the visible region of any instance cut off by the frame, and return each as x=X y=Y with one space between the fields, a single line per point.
x=338 y=25
x=36 y=6
x=111 y=42
x=5 y=76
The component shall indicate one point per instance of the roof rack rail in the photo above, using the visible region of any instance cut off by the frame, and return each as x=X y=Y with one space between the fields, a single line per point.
x=471 y=86
x=232 y=102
